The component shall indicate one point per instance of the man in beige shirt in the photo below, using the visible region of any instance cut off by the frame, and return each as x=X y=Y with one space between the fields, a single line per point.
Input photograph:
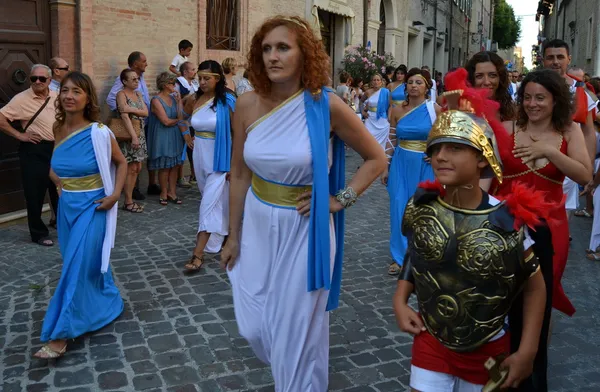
x=37 y=144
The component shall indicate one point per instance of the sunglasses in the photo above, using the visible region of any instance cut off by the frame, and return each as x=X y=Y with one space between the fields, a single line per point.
x=63 y=68
x=34 y=79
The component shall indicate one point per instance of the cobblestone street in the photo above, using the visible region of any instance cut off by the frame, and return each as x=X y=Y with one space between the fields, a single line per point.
x=178 y=332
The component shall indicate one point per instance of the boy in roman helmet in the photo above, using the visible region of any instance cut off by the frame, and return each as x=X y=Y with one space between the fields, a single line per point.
x=470 y=256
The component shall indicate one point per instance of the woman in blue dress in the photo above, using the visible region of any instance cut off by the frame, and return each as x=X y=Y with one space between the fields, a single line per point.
x=166 y=135
x=398 y=85
x=89 y=171
x=412 y=120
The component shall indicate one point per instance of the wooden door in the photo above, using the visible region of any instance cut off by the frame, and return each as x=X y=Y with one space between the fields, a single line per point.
x=24 y=41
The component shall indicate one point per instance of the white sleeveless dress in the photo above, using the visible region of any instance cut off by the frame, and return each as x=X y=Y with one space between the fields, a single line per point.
x=286 y=326
x=214 y=207
x=379 y=128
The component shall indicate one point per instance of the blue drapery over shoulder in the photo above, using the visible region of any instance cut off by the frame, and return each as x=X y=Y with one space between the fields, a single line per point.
x=325 y=183
x=222 y=159
x=383 y=103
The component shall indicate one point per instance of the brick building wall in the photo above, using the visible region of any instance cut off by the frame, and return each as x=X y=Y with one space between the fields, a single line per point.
x=96 y=36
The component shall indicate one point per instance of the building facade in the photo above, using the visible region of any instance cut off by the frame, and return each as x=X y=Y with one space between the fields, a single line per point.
x=578 y=23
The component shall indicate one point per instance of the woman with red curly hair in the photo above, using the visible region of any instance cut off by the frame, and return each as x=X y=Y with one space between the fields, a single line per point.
x=285 y=263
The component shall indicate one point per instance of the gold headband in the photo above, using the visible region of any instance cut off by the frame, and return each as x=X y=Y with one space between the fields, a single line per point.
x=206 y=73
x=296 y=22
x=424 y=79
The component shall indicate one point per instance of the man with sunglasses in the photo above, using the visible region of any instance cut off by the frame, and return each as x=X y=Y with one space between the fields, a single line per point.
x=34 y=108
x=60 y=69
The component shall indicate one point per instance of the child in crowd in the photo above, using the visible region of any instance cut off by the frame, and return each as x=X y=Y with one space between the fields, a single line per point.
x=185 y=49
x=469 y=258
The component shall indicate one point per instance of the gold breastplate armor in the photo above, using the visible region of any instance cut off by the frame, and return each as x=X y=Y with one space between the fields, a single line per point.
x=467 y=271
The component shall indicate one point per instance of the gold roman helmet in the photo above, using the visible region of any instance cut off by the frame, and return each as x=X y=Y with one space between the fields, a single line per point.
x=464 y=127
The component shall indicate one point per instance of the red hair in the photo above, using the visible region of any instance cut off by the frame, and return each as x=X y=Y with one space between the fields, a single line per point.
x=315 y=59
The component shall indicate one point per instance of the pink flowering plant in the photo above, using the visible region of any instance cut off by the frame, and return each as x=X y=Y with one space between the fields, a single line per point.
x=361 y=63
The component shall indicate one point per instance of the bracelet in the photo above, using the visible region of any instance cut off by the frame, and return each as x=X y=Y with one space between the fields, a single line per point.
x=347 y=197
x=187 y=132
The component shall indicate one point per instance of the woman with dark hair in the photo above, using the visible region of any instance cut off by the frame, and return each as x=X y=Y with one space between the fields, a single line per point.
x=410 y=123
x=285 y=264
x=165 y=138
x=211 y=119
x=356 y=93
x=89 y=171
x=376 y=110
x=546 y=146
x=397 y=87
x=131 y=108
x=487 y=70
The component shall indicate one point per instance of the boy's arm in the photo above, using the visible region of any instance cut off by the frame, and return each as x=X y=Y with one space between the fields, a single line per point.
x=174 y=70
x=520 y=363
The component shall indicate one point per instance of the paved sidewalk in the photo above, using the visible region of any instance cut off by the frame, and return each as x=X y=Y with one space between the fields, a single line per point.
x=178 y=332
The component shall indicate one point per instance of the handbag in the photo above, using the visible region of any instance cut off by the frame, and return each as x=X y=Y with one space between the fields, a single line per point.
x=118 y=128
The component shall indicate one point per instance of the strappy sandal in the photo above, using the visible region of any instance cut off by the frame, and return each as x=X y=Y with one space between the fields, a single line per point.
x=589 y=251
x=174 y=200
x=394 y=269
x=133 y=207
x=593 y=256
x=583 y=214
x=192 y=266
x=45 y=242
x=163 y=202
x=47 y=353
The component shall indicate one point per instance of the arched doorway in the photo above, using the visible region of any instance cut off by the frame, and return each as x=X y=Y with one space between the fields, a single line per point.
x=381 y=31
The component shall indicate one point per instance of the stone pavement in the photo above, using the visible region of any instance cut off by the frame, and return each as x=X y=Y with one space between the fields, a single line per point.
x=178 y=332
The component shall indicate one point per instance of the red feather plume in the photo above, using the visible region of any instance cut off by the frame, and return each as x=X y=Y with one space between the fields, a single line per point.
x=529 y=206
x=433 y=186
x=483 y=107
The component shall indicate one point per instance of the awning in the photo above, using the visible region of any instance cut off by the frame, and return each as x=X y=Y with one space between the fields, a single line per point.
x=338 y=7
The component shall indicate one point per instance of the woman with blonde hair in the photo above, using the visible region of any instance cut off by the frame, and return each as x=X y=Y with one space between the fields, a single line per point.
x=376 y=110
x=229 y=69
x=285 y=262
x=165 y=138
x=89 y=171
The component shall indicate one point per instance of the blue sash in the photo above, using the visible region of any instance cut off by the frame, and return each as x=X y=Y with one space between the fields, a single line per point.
x=222 y=159
x=383 y=104
x=319 y=125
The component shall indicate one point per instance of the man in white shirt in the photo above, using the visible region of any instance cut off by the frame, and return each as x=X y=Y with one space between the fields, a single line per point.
x=59 y=68
x=556 y=56
x=433 y=91
x=185 y=49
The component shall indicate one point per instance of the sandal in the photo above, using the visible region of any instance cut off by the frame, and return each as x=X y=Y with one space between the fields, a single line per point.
x=175 y=200
x=192 y=266
x=163 y=202
x=47 y=353
x=394 y=269
x=45 y=242
x=593 y=256
x=583 y=214
x=133 y=207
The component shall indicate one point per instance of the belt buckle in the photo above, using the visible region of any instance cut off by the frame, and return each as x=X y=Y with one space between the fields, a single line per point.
x=497 y=376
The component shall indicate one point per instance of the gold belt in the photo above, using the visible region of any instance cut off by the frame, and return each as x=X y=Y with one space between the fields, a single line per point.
x=277 y=195
x=414 y=145
x=205 y=135
x=394 y=102
x=87 y=183
x=372 y=108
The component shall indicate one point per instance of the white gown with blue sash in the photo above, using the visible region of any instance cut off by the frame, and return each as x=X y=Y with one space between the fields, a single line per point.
x=378 y=127
x=213 y=216
x=286 y=325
